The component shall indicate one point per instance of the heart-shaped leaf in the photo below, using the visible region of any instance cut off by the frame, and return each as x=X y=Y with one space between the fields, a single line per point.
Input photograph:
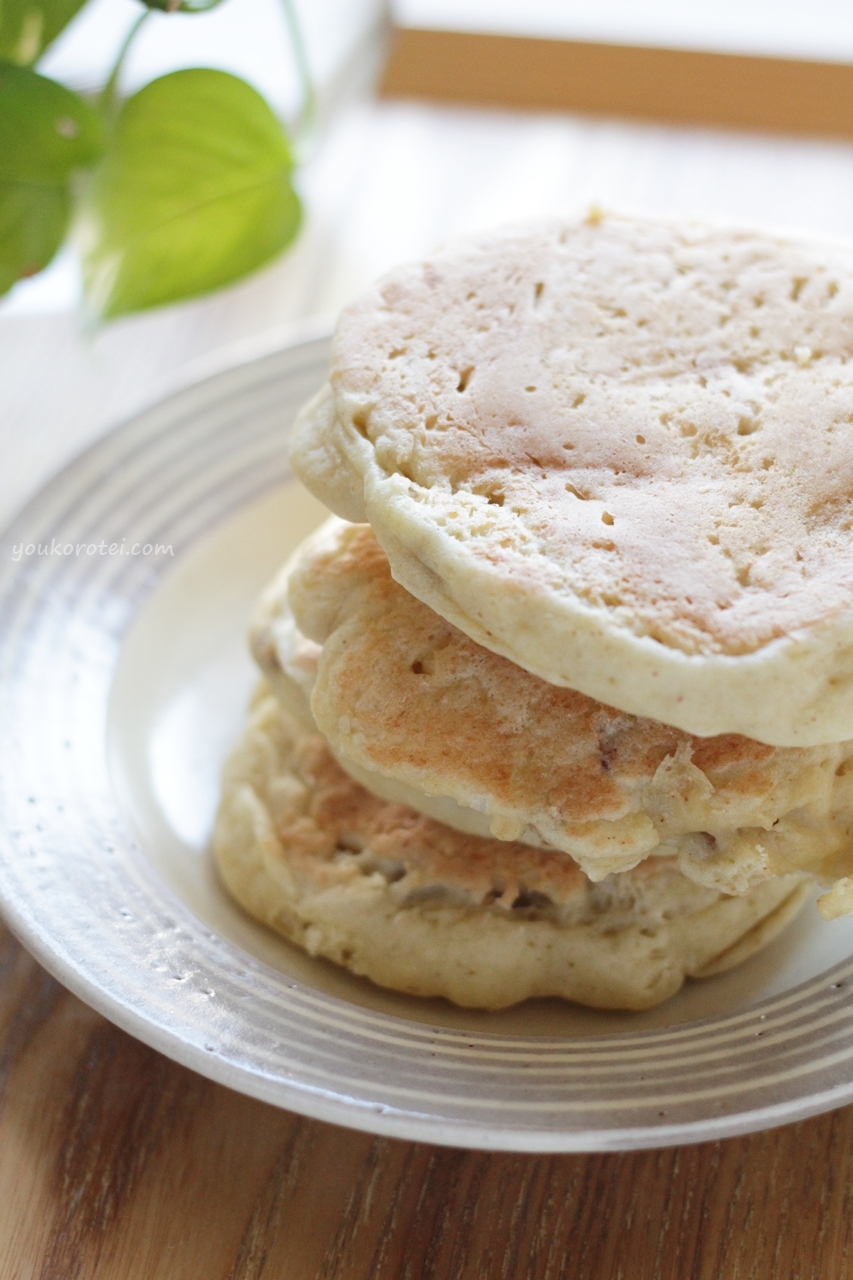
x=193 y=193
x=27 y=27
x=46 y=133
x=32 y=227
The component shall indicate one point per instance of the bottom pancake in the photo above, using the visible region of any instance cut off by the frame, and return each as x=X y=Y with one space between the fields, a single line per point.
x=421 y=908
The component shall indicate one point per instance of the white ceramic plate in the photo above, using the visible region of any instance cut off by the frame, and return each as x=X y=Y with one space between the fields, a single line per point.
x=123 y=681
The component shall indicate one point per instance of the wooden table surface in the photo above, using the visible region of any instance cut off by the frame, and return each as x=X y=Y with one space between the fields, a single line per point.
x=117 y=1164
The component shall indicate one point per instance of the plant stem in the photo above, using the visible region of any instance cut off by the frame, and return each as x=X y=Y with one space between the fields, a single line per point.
x=106 y=102
x=308 y=109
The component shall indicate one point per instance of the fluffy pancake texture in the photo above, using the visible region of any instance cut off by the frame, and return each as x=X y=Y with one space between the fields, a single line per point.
x=618 y=452
x=402 y=696
x=423 y=909
x=289 y=663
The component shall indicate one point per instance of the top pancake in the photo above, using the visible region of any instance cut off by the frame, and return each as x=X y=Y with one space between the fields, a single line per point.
x=620 y=453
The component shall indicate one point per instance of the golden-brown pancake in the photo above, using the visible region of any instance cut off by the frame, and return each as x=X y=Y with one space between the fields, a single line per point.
x=423 y=909
x=404 y=697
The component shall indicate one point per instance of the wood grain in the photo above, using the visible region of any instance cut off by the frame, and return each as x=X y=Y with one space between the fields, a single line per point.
x=673 y=85
x=117 y=1164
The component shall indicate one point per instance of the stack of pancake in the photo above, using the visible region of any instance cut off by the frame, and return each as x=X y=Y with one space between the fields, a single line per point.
x=560 y=701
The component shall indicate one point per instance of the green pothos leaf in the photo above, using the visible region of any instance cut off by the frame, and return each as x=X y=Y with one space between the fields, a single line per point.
x=27 y=27
x=46 y=133
x=193 y=193
x=32 y=227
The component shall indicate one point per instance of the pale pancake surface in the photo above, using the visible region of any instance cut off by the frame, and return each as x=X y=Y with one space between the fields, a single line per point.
x=619 y=452
x=423 y=909
x=420 y=713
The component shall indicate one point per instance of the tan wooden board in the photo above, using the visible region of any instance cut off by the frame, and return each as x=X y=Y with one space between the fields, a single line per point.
x=671 y=85
x=116 y=1164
